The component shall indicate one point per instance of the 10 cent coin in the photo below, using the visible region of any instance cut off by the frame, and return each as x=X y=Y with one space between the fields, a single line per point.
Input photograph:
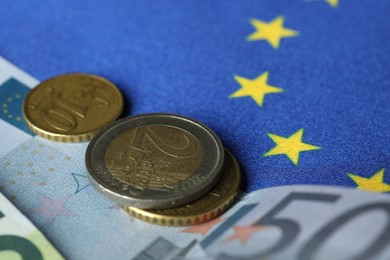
x=72 y=107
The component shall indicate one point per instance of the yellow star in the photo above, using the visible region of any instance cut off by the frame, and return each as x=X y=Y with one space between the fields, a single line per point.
x=375 y=183
x=256 y=88
x=333 y=3
x=290 y=146
x=272 y=32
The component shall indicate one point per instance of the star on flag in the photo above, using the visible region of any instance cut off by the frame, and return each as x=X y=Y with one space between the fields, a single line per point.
x=272 y=32
x=374 y=183
x=333 y=3
x=290 y=146
x=256 y=88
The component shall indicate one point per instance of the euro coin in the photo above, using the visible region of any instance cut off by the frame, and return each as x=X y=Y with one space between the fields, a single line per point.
x=72 y=107
x=155 y=160
x=203 y=209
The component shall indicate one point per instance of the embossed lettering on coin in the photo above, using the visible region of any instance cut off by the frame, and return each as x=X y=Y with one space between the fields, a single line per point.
x=154 y=157
x=71 y=108
x=154 y=161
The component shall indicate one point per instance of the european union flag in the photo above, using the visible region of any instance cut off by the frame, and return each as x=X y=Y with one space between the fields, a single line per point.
x=298 y=90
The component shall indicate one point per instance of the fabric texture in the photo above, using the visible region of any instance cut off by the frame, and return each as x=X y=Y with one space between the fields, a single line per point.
x=305 y=102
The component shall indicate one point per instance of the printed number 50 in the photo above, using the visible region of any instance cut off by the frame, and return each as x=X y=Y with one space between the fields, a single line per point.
x=290 y=228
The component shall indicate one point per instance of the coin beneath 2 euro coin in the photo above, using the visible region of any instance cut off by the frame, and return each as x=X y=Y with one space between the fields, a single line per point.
x=155 y=161
x=72 y=107
x=203 y=209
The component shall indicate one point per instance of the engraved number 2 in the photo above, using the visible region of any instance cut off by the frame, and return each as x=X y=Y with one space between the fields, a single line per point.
x=145 y=132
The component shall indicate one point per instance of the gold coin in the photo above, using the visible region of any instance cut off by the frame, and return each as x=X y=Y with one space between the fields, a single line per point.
x=72 y=107
x=207 y=207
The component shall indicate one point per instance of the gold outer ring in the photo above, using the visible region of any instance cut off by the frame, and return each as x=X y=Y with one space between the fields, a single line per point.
x=69 y=137
x=178 y=220
x=59 y=137
x=203 y=209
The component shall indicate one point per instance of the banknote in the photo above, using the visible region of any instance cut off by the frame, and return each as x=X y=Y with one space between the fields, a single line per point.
x=289 y=222
x=47 y=182
x=19 y=238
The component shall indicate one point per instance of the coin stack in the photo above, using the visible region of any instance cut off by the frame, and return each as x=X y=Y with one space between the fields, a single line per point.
x=164 y=169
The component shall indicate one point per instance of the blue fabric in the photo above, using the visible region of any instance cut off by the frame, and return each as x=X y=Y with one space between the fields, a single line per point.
x=181 y=57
